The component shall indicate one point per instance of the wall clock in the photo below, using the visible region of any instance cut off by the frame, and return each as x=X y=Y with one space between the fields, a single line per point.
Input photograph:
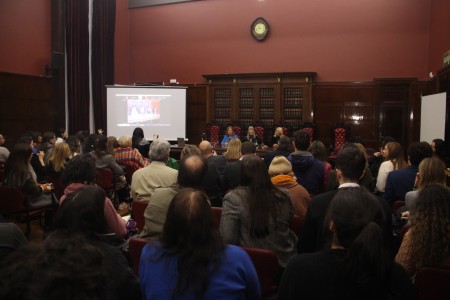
x=259 y=29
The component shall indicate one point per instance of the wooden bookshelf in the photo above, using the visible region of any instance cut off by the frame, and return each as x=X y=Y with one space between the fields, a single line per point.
x=265 y=97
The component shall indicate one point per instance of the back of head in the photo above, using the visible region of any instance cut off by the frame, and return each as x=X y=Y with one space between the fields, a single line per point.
x=83 y=211
x=302 y=140
x=234 y=149
x=80 y=169
x=159 y=150
x=47 y=136
x=17 y=165
x=431 y=170
x=101 y=144
x=66 y=266
x=124 y=141
x=189 y=150
x=418 y=151
x=430 y=231
x=205 y=148
x=191 y=171
x=351 y=162
x=318 y=150
x=358 y=222
x=284 y=142
x=74 y=144
x=248 y=148
x=89 y=143
x=254 y=173
x=189 y=232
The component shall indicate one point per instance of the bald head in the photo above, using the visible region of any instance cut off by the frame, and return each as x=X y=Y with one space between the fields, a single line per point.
x=192 y=171
x=205 y=148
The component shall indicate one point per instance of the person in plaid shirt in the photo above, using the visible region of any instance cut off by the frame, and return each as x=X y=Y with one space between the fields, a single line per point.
x=127 y=155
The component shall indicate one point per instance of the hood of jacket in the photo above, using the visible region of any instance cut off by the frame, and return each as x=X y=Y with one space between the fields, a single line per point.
x=301 y=160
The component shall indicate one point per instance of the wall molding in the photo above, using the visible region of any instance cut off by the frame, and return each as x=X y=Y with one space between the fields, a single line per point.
x=143 y=3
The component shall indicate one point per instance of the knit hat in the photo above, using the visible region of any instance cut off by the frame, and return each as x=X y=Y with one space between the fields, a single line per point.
x=280 y=165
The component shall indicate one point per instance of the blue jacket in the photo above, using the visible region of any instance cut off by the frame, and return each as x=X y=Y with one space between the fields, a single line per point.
x=399 y=182
x=309 y=171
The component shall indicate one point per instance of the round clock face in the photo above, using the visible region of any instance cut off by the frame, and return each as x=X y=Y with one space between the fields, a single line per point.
x=259 y=29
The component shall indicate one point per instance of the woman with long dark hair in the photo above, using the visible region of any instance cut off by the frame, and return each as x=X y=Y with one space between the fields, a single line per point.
x=19 y=173
x=358 y=265
x=257 y=214
x=139 y=142
x=190 y=261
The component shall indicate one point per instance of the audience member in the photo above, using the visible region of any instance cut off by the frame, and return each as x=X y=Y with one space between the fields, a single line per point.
x=357 y=266
x=191 y=261
x=191 y=174
x=426 y=244
x=319 y=151
x=284 y=143
x=126 y=155
x=282 y=177
x=111 y=145
x=4 y=152
x=48 y=142
x=251 y=136
x=393 y=160
x=366 y=180
x=11 y=239
x=157 y=174
x=233 y=152
x=208 y=153
x=65 y=266
x=105 y=160
x=20 y=174
x=139 y=142
x=80 y=172
x=82 y=135
x=37 y=138
x=440 y=150
x=232 y=172
x=309 y=171
x=89 y=143
x=61 y=135
x=378 y=158
x=82 y=212
x=229 y=134
x=276 y=136
x=56 y=163
x=258 y=214
x=74 y=145
x=350 y=165
x=399 y=182
x=37 y=159
x=431 y=170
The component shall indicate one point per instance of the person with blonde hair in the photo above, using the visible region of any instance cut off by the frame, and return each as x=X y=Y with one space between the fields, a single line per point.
x=393 y=160
x=431 y=170
x=280 y=171
x=426 y=244
x=60 y=155
x=233 y=152
x=276 y=136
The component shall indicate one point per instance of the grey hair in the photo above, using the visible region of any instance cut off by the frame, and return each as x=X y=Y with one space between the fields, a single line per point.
x=124 y=141
x=159 y=150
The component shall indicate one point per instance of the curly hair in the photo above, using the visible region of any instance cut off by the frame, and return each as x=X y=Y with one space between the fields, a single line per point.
x=430 y=227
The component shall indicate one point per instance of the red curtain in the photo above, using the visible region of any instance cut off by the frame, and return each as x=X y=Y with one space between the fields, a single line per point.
x=103 y=26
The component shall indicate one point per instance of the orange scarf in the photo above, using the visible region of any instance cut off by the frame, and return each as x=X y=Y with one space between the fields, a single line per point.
x=283 y=179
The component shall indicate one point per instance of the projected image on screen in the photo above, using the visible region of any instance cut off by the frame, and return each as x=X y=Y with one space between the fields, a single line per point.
x=143 y=110
x=157 y=110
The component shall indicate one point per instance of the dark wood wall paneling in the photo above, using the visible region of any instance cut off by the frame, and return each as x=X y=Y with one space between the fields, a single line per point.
x=26 y=104
x=348 y=103
x=196 y=112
